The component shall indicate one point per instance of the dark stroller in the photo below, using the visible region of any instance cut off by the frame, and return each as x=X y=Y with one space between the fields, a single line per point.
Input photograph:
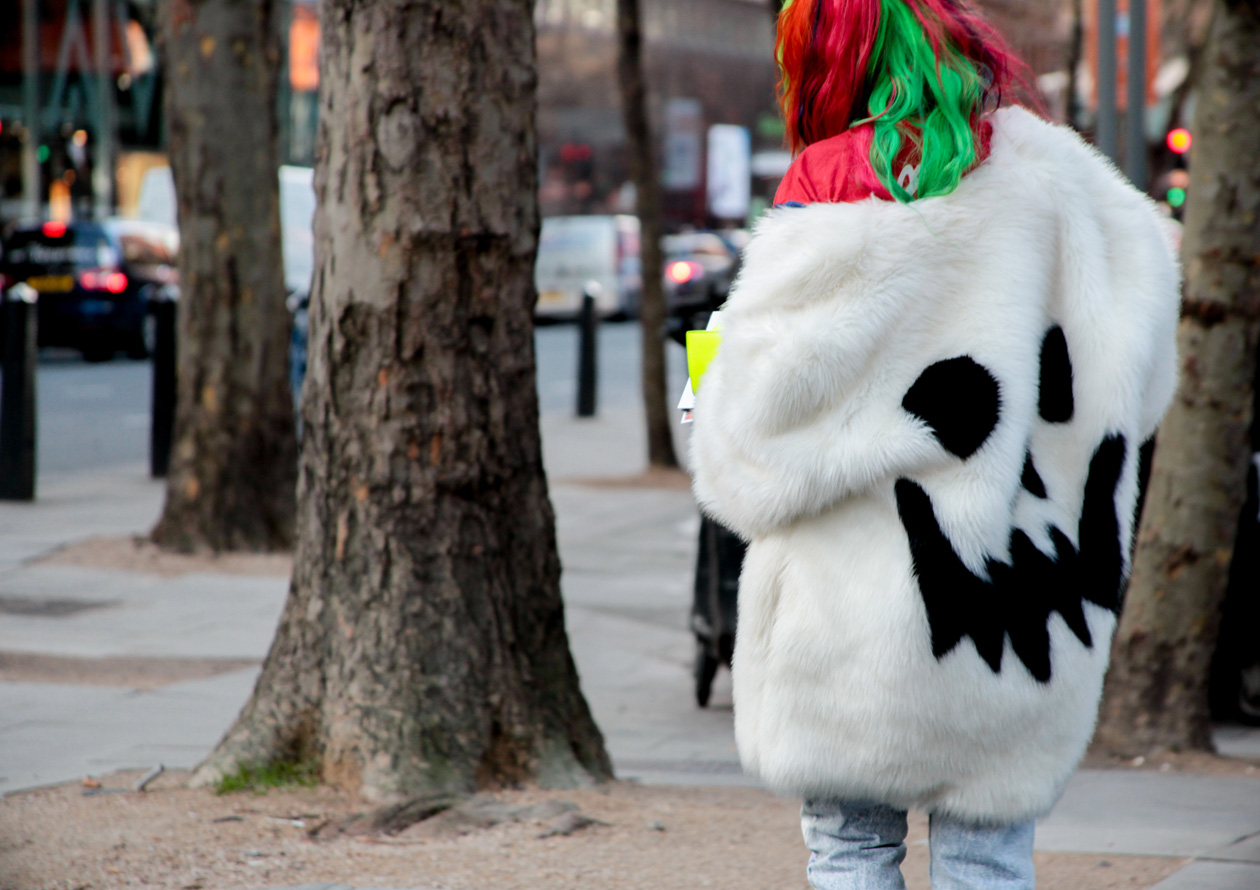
x=718 y=561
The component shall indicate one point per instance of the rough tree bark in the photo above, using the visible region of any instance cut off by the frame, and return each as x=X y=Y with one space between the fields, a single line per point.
x=647 y=186
x=423 y=646
x=234 y=459
x=1156 y=693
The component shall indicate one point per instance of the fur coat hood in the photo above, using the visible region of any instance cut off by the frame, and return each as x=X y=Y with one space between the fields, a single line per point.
x=928 y=421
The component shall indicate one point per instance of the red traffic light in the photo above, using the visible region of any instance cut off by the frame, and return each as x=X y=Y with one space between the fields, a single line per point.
x=1179 y=140
x=570 y=152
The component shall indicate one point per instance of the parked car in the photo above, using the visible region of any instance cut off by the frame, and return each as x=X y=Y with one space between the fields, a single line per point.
x=694 y=261
x=95 y=281
x=700 y=268
x=575 y=250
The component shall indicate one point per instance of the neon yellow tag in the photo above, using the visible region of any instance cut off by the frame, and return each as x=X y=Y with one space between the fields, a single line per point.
x=701 y=347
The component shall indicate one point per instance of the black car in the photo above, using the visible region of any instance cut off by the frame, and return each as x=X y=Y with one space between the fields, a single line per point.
x=699 y=271
x=95 y=281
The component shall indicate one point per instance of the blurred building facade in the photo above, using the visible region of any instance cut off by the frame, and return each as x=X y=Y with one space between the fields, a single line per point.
x=707 y=62
x=98 y=97
x=80 y=103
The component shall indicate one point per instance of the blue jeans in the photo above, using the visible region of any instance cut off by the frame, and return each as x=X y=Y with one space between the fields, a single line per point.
x=858 y=845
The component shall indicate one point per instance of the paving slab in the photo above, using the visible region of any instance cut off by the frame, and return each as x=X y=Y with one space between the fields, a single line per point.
x=1246 y=849
x=1151 y=814
x=121 y=613
x=73 y=506
x=1212 y=876
x=51 y=734
x=1238 y=741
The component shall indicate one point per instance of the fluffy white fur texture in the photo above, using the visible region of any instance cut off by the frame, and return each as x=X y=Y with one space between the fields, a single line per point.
x=800 y=436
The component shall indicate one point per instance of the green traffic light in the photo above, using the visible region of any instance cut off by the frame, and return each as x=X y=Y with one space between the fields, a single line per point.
x=43 y=153
x=1176 y=197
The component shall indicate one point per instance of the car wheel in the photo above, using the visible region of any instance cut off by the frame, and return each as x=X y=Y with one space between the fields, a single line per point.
x=141 y=343
x=99 y=352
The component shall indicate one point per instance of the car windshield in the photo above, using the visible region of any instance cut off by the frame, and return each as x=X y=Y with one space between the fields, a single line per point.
x=696 y=245
x=576 y=246
x=58 y=249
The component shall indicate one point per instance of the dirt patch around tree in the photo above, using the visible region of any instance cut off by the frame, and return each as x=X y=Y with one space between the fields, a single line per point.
x=621 y=836
x=1200 y=763
x=126 y=671
x=139 y=554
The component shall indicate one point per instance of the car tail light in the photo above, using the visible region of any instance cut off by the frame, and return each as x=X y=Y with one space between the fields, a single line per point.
x=53 y=229
x=103 y=279
x=683 y=271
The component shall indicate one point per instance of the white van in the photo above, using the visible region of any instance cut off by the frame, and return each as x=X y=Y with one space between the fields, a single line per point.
x=297 y=218
x=575 y=250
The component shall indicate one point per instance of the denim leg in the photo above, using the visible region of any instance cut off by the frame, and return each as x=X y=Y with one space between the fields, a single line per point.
x=967 y=856
x=854 y=845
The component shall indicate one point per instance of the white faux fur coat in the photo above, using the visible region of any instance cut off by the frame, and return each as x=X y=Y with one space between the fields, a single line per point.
x=928 y=420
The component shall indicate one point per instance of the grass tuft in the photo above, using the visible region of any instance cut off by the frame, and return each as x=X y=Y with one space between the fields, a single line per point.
x=260 y=778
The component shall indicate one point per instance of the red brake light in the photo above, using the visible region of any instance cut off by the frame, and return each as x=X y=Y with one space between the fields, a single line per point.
x=100 y=279
x=682 y=271
x=53 y=229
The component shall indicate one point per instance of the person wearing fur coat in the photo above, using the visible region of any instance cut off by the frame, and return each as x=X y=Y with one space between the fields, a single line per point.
x=941 y=371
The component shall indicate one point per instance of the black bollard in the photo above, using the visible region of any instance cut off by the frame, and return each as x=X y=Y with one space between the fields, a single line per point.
x=162 y=431
x=588 y=342
x=17 y=396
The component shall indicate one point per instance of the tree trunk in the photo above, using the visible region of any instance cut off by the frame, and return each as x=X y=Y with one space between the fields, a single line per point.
x=1076 y=48
x=647 y=186
x=234 y=460
x=1156 y=693
x=423 y=646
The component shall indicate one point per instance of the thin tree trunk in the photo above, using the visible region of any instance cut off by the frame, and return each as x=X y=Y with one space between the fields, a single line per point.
x=1076 y=44
x=423 y=646
x=234 y=460
x=648 y=189
x=1156 y=694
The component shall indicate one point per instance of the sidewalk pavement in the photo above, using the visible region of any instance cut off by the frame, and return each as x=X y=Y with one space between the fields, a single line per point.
x=627 y=552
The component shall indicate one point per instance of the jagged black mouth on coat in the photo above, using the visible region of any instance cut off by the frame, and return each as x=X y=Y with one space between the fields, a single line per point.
x=1018 y=597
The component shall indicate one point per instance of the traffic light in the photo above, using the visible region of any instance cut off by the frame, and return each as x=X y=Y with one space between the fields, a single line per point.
x=1174 y=186
x=1179 y=140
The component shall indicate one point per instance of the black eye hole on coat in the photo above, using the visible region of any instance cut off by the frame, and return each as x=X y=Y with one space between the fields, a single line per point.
x=960 y=400
x=1055 y=403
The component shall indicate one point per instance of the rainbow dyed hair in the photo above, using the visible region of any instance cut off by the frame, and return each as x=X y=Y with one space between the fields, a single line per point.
x=921 y=71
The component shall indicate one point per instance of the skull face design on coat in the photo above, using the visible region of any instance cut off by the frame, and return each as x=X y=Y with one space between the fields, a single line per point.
x=961 y=402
